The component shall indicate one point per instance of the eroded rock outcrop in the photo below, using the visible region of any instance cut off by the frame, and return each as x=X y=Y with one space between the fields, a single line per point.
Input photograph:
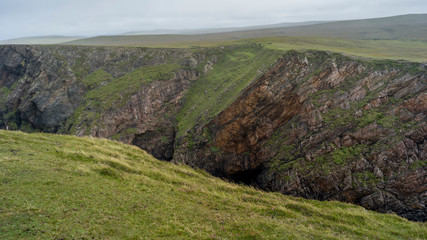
x=327 y=127
x=148 y=118
x=317 y=125
x=128 y=94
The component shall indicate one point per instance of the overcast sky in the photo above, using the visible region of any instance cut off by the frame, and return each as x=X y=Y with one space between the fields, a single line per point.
x=23 y=18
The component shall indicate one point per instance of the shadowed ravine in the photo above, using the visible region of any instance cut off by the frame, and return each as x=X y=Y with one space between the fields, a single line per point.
x=314 y=124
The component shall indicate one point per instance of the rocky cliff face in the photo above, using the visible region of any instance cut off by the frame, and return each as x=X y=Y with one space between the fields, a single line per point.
x=328 y=127
x=318 y=125
x=148 y=118
x=128 y=94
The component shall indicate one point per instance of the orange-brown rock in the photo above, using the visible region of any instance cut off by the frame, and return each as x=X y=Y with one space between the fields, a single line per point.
x=324 y=126
x=316 y=124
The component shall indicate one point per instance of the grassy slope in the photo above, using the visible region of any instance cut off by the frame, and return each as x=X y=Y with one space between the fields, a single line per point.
x=235 y=69
x=404 y=27
x=410 y=50
x=375 y=49
x=399 y=37
x=64 y=187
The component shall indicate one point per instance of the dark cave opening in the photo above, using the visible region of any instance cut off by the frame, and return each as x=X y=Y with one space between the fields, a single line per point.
x=248 y=177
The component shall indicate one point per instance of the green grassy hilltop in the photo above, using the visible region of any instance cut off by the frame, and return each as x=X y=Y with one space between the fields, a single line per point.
x=64 y=187
x=398 y=37
x=411 y=50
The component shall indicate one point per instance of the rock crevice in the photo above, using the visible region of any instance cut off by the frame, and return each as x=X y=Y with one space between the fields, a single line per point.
x=316 y=124
x=326 y=127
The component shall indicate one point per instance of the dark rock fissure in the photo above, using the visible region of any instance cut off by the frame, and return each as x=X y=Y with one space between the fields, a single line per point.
x=248 y=177
x=155 y=143
x=317 y=125
x=345 y=132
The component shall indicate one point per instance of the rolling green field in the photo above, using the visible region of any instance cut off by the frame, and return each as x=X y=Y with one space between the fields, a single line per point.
x=403 y=27
x=409 y=50
x=65 y=187
x=398 y=38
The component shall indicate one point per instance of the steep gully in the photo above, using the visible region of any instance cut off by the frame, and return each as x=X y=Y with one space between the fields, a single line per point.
x=317 y=125
x=327 y=127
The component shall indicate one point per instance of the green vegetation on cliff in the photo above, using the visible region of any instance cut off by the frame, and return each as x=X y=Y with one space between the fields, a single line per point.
x=104 y=91
x=123 y=87
x=64 y=187
x=234 y=70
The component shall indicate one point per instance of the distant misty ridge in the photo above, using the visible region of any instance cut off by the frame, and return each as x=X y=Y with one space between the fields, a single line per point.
x=403 y=27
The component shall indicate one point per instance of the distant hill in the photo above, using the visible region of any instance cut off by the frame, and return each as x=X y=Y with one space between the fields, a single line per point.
x=222 y=30
x=404 y=27
x=40 y=40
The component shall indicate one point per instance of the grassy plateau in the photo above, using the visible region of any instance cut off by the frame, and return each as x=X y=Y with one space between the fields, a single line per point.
x=410 y=50
x=65 y=187
x=398 y=37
